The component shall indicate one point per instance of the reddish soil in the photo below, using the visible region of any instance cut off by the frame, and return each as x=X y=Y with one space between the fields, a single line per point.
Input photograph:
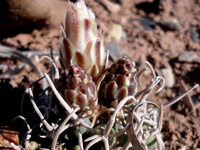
x=166 y=33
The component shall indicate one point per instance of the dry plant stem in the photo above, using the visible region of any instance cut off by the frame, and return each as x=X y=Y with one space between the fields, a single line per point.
x=80 y=138
x=151 y=85
x=97 y=139
x=44 y=148
x=135 y=132
x=65 y=105
x=67 y=126
x=113 y=117
x=88 y=116
x=69 y=110
x=28 y=126
x=159 y=141
x=156 y=79
x=27 y=136
x=91 y=138
x=158 y=136
x=22 y=118
x=151 y=68
x=127 y=145
x=39 y=53
x=131 y=133
x=61 y=100
x=100 y=80
x=63 y=30
x=160 y=118
x=187 y=99
x=15 y=147
x=179 y=97
x=56 y=75
x=119 y=133
x=100 y=112
x=146 y=91
x=16 y=70
x=59 y=147
x=38 y=111
x=26 y=92
x=141 y=72
x=139 y=126
x=109 y=125
x=60 y=129
x=106 y=143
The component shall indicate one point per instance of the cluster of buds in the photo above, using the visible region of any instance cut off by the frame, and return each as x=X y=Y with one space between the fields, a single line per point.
x=89 y=84
x=77 y=88
x=82 y=47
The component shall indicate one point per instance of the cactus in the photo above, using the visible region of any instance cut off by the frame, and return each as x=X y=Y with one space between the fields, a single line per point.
x=91 y=106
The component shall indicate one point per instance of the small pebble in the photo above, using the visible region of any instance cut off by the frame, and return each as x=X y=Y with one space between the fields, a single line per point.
x=188 y=57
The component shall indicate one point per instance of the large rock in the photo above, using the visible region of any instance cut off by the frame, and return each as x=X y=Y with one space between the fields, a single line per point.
x=30 y=14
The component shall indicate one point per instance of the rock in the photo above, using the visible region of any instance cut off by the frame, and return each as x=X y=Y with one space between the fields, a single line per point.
x=196 y=100
x=115 y=49
x=147 y=24
x=174 y=138
x=117 y=1
x=194 y=35
x=149 y=7
x=27 y=9
x=188 y=57
x=26 y=15
x=169 y=25
x=116 y=32
x=23 y=39
x=6 y=137
x=197 y=1
x=168 y=75
x=112 y=7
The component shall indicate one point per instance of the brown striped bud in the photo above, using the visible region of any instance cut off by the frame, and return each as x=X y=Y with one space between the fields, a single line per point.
x=119 y=82
x=82 y=46
x=77 y=88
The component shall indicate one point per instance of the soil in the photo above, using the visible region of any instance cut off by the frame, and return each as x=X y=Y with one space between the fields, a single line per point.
x=166 y=33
